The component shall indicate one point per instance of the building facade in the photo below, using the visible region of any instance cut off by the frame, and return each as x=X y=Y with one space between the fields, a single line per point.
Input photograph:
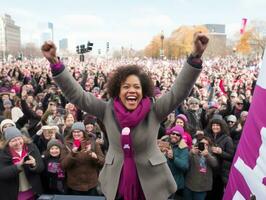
x=63 y=44
x=217 y=43
x=10 y=37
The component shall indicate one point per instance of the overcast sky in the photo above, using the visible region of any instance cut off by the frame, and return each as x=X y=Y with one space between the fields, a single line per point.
x=128 y=23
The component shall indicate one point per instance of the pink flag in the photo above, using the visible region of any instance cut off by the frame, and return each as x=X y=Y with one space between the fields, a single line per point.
x=244 y=23
x=221 y=85
x=248 y=171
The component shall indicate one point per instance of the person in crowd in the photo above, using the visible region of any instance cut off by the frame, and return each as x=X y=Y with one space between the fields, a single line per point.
x=199 y=177
x=52 y=116
x=177 y=158
x=31 y=116
x=130 y=106
x=235 y=129
x=44 y=135
x=3 y=126
x=92 y=129
x=208 y=110
x=20 y=167
x=193 y=115
x=82 y=160
x=182 y=121
x=7 y=104
x=70 y=108
x=69 y=121
x=240 y=105
x=169 y=122
x=233 y=98
x=53 y=176
x=243 y=117
x=223 y=149
x=90 y=126
x=198 y=136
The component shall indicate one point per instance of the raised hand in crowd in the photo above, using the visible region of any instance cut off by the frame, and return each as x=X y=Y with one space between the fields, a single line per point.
x=200 y=42
x=49 y=52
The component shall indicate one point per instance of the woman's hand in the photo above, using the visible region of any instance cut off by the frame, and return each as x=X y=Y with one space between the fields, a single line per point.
x=93 y=155
x=49 y=52
x=99 y=141
x=200 y=42
x=194 y=150
x=205 y=152
x=31 y=161
x=170 y=154
x=217 y=150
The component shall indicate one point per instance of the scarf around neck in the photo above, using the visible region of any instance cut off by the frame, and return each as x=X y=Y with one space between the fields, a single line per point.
x=128 y=118
x=129 y=185
x=16 y=157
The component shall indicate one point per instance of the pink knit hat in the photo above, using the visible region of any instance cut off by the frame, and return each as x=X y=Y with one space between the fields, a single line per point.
x=183 y=117
x=176 y=128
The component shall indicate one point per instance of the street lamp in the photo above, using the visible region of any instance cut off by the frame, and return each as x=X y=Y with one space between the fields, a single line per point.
x=161 y=50
x=81 y=49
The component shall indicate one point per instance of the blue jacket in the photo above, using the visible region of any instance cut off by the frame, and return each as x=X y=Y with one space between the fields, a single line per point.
x=179 y=164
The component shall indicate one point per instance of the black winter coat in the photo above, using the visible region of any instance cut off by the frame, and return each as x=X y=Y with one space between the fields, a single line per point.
x=53 y=176
x=41 y=142
x=9 y=174
x=225 y=159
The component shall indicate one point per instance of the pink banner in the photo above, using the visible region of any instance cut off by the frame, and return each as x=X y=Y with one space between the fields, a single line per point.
x=244 y=23
x=248 y=171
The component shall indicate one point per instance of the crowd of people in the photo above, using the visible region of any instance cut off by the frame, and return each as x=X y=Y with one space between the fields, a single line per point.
x=49 y=145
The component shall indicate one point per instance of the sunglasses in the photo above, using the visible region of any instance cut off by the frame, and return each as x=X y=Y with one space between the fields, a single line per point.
x=177 y=134
x=230 y=122
x=239 y=103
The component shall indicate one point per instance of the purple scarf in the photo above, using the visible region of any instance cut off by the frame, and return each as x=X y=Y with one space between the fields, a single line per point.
x=131 y=118
x=129 y=185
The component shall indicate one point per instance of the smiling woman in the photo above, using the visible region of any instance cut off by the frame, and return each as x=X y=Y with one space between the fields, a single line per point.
x=130 y=84
x=139 y=169
x=20 y=167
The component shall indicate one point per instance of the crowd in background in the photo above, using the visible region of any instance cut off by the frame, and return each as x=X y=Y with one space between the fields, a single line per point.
x=64 y=148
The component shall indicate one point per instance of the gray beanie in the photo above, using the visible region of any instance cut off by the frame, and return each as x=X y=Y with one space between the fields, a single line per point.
x=12 y=132
x=54 y=142
x=78 y=126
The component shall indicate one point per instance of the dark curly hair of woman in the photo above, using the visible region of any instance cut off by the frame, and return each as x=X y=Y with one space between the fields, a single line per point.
x=120 y=74
x=221 y=122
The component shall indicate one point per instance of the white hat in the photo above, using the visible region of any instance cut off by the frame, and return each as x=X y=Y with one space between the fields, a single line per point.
x=231 y=118
x=6 y=121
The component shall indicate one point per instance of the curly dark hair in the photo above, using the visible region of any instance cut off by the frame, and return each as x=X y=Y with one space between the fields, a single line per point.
x=120 y=74
x=221 y=122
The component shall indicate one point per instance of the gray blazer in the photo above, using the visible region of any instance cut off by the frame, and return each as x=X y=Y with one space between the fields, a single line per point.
x=155 y=176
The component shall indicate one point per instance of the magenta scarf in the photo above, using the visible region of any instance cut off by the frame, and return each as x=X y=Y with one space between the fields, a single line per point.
x=128 y=118
x=129 y=185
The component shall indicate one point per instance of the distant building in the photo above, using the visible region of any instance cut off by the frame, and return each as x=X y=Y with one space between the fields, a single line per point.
x=10 y=38
x=217 y=36
x=63 y=44
x=45 y=37
x=215 y=28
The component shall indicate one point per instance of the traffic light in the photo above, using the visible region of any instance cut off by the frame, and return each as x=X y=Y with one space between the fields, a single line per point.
x=81 y=49
x=107 y=46
x=89 y=46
